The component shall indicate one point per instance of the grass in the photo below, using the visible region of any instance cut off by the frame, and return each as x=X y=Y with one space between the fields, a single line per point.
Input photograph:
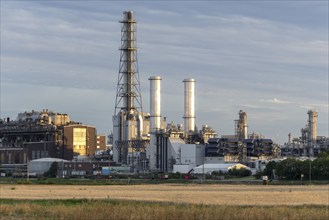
x=180 y=193
x=250 y=180
x=171 y=201
x=118 y=209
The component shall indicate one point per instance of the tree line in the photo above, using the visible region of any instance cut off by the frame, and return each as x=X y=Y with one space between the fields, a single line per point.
x=292 y=169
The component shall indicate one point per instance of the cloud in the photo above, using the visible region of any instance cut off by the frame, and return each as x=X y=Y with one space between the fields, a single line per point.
x=162 y=12
x=317 y=107
x=241 y=57
x=275 y=101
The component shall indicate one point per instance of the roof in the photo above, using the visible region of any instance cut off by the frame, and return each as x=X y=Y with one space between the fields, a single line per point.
x=224 y=167
x=219 y=165
x=176 y=140
x=49 y=159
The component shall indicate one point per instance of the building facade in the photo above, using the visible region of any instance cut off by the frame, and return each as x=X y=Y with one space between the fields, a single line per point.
x=42 y=134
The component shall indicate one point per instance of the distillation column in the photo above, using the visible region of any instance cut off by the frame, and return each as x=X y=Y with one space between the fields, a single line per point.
x=241 y=126
x=189 y=105
x=312 y=131
x=244 y=124
x=127 y=119
x=155 y=118
x=289 y=138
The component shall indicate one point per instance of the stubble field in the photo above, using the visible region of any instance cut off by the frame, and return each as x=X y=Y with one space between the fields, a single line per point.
x=164 y=201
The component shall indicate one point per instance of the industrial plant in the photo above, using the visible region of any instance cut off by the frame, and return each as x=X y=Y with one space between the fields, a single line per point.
x=140 y=137
x=143 y=141
x=45 y=134
x=308 y=144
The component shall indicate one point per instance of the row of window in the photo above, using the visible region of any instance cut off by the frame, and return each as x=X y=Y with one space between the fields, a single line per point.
x=36 y=154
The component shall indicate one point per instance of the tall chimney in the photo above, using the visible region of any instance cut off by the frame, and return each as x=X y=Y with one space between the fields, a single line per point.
x=155 y=103
x=189 y=105
x=128 y=111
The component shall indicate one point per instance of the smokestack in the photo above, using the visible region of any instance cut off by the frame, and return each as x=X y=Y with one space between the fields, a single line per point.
x=128 y=112
x=189 y=105
x=155 y=103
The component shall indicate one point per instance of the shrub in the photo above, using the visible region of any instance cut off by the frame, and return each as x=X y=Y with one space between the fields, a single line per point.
x=52 y=172
x=242 y=172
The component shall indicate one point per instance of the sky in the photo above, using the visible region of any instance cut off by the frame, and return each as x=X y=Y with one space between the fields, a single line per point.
x=268 y=58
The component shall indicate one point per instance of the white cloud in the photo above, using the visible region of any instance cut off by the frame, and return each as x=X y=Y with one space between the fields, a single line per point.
x=275 y=101
x=238 y=58
x=162 y=12
x=318 y=107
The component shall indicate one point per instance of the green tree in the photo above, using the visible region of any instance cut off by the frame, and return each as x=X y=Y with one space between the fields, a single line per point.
x=52 y=172
x=289 y=169
x=270 y=166
x=324 y=154
x=217 y=173
x=320 y=168
x=239 y=172
x=305 y=168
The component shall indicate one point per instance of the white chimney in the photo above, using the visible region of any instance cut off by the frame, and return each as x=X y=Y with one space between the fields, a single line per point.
x=189 y=105
x=155 y=103
x=155 y=119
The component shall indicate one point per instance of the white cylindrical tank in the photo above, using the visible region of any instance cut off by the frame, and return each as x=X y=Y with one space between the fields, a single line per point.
x=155 y=103
x=189 y=105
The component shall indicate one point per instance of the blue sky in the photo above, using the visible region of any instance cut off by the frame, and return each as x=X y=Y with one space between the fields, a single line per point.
x=268 y=58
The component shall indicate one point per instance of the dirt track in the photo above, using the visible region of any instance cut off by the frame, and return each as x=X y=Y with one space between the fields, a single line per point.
x=199 y=194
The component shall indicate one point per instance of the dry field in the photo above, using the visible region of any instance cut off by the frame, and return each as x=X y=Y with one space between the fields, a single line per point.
x=188 y=194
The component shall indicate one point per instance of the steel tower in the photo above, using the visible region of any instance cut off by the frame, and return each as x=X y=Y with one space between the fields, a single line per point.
x=128 y=113
x=128 y=96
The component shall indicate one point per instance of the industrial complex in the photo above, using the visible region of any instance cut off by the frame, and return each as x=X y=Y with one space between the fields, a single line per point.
x=142 y=141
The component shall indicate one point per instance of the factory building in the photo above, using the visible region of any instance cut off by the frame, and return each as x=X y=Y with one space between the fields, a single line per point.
x=82 y=139
x=31 y=136
x=233 y=150
x=240 y=147
x=45 y=134
x=308 y=144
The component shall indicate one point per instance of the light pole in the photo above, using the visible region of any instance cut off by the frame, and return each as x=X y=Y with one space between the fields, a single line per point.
x=310 y=171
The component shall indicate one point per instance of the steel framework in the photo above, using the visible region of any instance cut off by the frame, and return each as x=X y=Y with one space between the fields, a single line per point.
x=128 y=95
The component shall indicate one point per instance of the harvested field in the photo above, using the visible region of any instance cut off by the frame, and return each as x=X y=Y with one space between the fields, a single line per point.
x=190 y=194
x=113 y=209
